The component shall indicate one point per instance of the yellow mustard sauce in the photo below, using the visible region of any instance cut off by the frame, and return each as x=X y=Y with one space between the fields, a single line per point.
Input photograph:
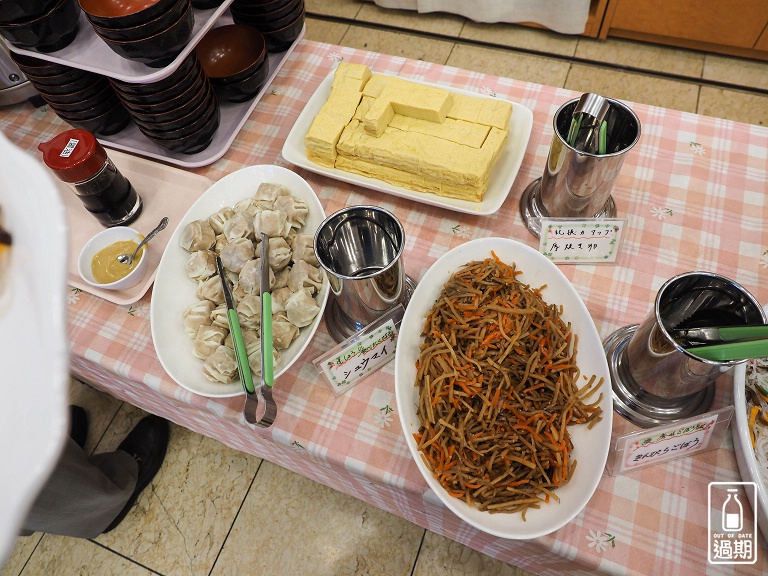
x=105 y=267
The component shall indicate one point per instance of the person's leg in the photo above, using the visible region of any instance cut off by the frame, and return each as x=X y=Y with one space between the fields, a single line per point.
x=83 y=495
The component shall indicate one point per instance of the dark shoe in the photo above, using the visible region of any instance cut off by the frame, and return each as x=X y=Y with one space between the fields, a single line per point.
x=78 y=425
x=147 y=443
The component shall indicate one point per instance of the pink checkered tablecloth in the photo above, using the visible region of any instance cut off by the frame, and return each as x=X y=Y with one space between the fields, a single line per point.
x=694 y=192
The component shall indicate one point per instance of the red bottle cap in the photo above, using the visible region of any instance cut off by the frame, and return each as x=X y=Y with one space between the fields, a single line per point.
x=74 y=155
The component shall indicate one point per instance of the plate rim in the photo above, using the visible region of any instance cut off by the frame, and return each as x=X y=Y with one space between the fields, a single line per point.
x=258 y=171
x=294 y=151
x=434 y=282
x=742 y=444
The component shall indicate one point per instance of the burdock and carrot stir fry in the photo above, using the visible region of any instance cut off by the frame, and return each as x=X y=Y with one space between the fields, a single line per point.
x=499 y=387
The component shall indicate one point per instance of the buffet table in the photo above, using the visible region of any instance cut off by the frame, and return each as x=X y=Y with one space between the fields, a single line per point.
x=695 y=195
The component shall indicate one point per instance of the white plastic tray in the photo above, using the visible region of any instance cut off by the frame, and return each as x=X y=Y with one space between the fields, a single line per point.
x=165 y=191
x=89 y=52
x=233 y=116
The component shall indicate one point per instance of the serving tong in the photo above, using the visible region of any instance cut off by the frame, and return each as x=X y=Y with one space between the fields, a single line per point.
x=589 y=130
x=264 y=391
x=259 y=408
x=724 y=343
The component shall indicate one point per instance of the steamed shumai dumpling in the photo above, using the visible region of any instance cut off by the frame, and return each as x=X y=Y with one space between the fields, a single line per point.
x=279 y=298
x=301 y=308
x=281 y=278
x=304 y=275
x=250 y=277
x=283 y=331
x=296 y=211
x=218 y=220
x=221 y=365
x=249 y=312
x=303 y=248
x=210 y=289
x=197 y=235
x=279 y=253
x=196 y=315
x=208 y=339
x=248 y=206
x=272 y=223
x=201 y=265
x=236 y=253
x=219 y=316
x=239 y=226
x=221 y=241
x=267 y=194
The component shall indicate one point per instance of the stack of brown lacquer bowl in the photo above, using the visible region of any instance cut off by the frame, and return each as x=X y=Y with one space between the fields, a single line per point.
x=280 y=21
x=234 y=58
x=84 y=99
x=152 y=32
x=179 y=112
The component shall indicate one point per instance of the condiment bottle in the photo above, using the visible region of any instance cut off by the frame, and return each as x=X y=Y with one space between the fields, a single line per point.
x=76 y=157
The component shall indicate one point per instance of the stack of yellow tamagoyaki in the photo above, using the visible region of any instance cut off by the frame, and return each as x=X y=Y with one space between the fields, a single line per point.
x=416 y=136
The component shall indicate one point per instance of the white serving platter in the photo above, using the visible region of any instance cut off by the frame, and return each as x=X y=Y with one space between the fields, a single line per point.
x=174 y=290
x=590 y=446
x=749 y=468
x=501 y=180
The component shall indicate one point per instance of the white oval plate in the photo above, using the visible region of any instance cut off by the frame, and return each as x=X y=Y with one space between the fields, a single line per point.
x=590 y=446
x=174 y=290
x=745 y=454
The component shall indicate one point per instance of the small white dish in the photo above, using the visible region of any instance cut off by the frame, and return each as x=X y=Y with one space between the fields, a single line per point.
x=102 y=240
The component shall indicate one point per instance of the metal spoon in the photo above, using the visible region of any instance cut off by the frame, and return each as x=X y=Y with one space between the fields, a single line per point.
x=128 y=258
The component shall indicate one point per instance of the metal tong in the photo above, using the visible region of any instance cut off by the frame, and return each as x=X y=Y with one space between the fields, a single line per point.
x=253 y=399
x=588 y=130
x=724 y=343
x=264 y=391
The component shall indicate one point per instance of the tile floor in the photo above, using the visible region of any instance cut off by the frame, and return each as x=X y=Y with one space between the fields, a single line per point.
x=205 y=514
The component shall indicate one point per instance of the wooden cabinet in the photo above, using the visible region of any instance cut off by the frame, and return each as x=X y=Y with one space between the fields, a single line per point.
x=738 y=27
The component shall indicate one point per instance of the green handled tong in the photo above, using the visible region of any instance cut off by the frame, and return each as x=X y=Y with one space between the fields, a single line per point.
x=241 y=356
x=724 y=343
x=264 y=391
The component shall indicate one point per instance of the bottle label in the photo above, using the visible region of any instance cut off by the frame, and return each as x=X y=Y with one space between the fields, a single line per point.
x=69 y=148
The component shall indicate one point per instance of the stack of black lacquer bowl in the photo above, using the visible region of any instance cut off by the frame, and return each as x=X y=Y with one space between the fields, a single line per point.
x=280 y=21
x=45 y=25
x=152 y=32
x=84 y=99
x=180 y=112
